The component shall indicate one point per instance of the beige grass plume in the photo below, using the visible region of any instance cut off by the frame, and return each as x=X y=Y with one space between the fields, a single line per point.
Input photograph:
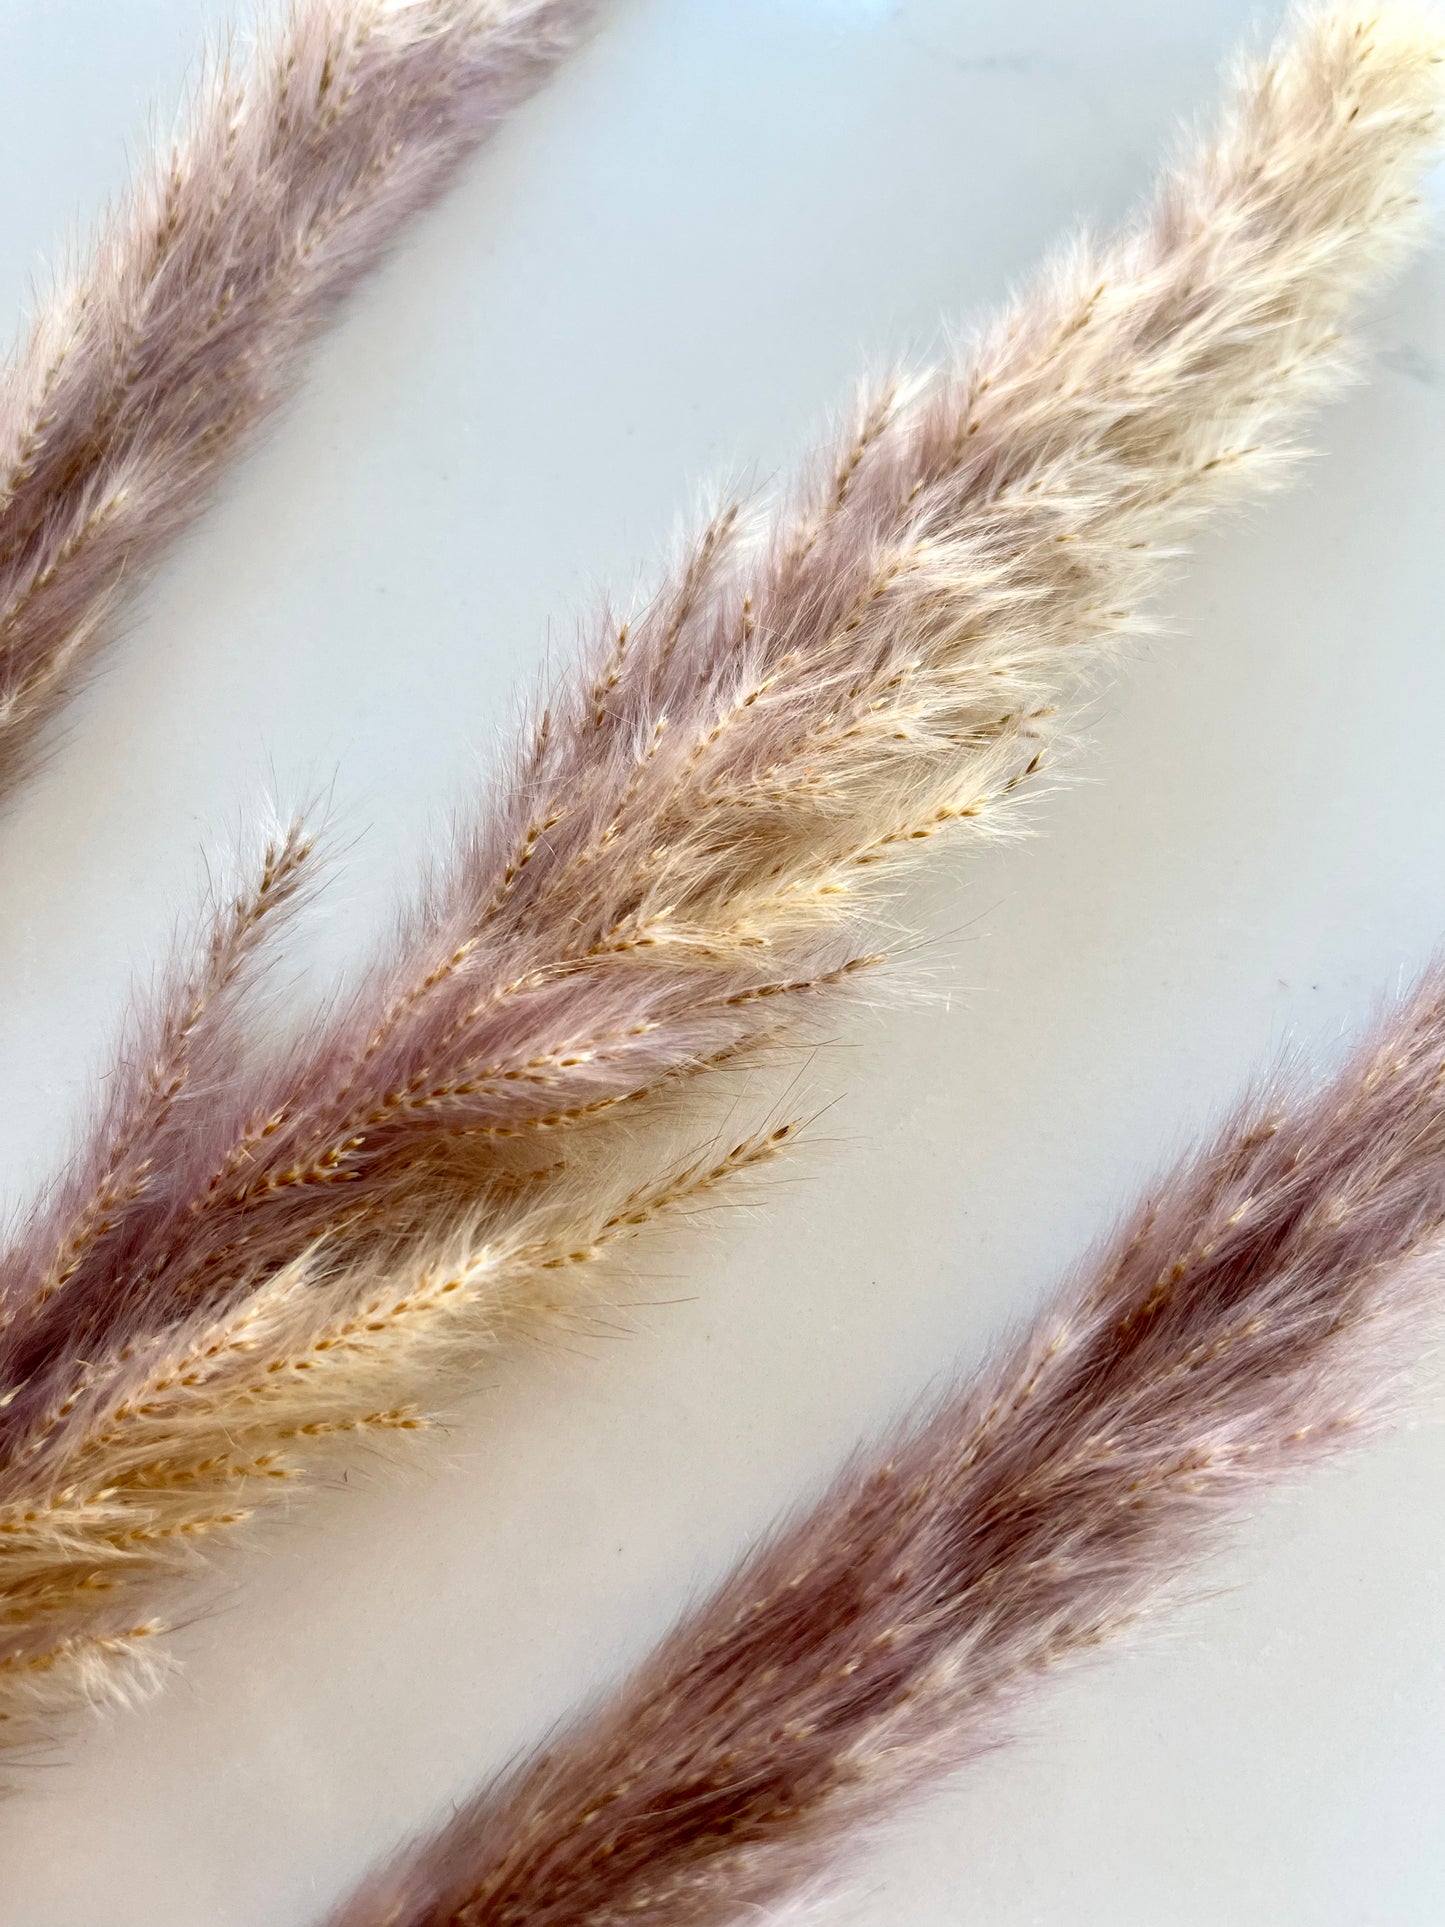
x=1247 y=1320
x=679 y=866
x=135 y=383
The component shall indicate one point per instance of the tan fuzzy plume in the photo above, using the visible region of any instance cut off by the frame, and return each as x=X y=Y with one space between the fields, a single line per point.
x=682 y=863
x=143 y=1466
x=136 y=382
x=1246 y=1321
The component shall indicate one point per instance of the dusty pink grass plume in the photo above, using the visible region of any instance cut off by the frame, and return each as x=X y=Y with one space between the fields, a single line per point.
x=140 y=375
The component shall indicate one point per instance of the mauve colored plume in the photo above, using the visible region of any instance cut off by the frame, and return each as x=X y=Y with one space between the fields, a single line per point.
x=134 y=383
x=259 y=1247
x=1246 y=1321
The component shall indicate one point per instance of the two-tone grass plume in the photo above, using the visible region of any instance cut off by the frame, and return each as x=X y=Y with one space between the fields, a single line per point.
x=1250 y=1318
x=137 y=379
x=682 y=863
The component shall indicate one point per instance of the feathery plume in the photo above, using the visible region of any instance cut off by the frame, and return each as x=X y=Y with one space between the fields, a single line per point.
x=1244 y=1323
x=145 y=1464
x=682 y=861
x=136 y=382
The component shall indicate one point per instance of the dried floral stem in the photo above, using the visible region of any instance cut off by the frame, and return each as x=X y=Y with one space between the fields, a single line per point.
x=187 y=1438
x=133 y=386
x=683 y=862
x=143 y=1105
x=1246 y=1322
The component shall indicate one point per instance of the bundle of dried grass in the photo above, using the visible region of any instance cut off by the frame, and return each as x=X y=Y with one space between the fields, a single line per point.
x=1246 y=1321
x=136 y=381
x=678 y=868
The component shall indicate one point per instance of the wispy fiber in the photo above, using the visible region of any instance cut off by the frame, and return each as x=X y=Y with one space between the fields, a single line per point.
x=135 y=383
x=677 y=870
x=1247 y=1321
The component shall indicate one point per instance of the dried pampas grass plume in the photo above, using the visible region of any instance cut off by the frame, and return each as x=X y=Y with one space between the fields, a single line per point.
x=136 y=382
x=679 y=868
x=1246 y=1322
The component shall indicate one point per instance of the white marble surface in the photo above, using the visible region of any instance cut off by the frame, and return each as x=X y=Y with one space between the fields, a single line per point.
x=671 y=266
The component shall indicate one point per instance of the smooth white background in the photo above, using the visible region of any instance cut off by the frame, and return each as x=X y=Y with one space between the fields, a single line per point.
x=670 y=268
